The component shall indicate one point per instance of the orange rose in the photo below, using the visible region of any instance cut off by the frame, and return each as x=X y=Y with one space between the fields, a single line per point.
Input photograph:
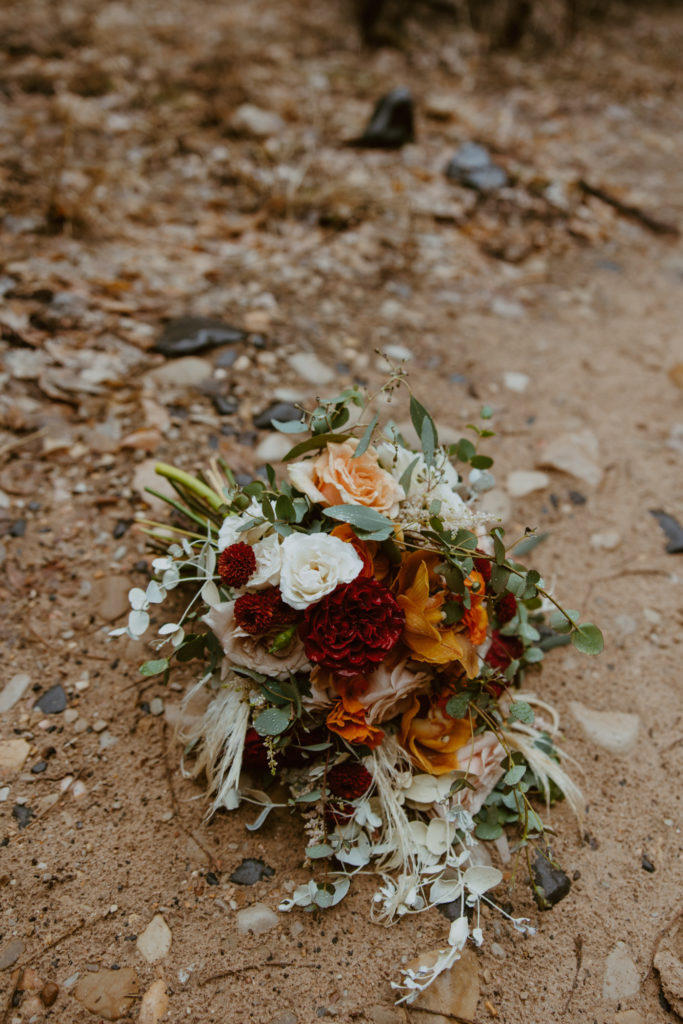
x=431 y=737
x=336 y=478
x=347 y=718
x=424 y=635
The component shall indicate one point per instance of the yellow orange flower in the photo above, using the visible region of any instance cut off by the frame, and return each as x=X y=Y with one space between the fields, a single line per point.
x=424 y=635
x=431 y=737
x=475 y=619
x=347 y=718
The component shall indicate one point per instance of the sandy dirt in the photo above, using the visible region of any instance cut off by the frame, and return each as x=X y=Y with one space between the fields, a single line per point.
x=129 y=195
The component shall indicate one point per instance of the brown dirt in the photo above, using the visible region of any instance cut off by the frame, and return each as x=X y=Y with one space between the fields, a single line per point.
x=115 y=136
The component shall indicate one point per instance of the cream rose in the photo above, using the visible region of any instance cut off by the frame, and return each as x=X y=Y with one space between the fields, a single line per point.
x=231 y=531
x=482 y=758
x=387 y=690
x=250 y=651
x=336 y=478
x=268 y=561
x=314 y=565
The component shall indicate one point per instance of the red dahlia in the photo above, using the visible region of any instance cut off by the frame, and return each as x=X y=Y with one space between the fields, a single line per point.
x=352 y=629
x=348 y=780
x=255 y=754
x=254 y=613
x=506 y=608
x=236 y=564
x=503 y=650
x=483 y=566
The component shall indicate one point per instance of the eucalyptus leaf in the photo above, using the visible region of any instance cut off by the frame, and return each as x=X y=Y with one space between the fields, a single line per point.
x=520 y=711
x=320 y=850
x=588 y=639
x=290 y=426
x=457 y=706
x=319 y=441
x=365 y=440
x=154 y=668
x=271 y=722
x=362 y=518
x=515 y=775
x=529 y=543
x=407 y=474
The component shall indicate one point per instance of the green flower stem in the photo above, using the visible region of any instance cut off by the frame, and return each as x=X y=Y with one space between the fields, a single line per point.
x=191 y=483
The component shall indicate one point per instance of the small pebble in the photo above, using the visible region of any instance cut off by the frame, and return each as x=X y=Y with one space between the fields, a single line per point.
x=258 y=919
x=156 y=706
x=251 y=871
x=53 y=701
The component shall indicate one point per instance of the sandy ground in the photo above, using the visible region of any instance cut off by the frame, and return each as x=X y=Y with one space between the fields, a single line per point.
x=129 y=196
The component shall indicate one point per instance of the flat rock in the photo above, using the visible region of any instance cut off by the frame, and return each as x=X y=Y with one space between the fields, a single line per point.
x=53 y=701
x=496 y=503
x=616 y=731
x=286 y=1017
x=188 y=335
x=258 y=918
x=550 y=883
x=109 y=597
x=455 y=992
x=10 y=953
x=155 y=941
x=13 y=753
x=187 y=372
x=274 y=447
x=154 y=1005
x=608 y=540
x=621 y=979
x=386 y=1014
x=108 y=994
x=144 y=477
x=525 y=481
x=310 y=368
x=628 y=1017
x=251 y=120
x=668 y=962
x=574 y=453
x=515 y=381
x=14 y=690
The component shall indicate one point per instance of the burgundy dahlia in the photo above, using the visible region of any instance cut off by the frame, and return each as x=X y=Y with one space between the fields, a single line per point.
x=503 y=650
x=255 y=754
x=236 y=564
x=483 y=566
x=348 y=780
x=254 y=613
x=352 y=629
x=506 y=608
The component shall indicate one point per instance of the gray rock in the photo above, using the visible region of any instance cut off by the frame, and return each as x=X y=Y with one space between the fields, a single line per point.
x=155 y=942
x=608 y=540
x=22 y=814
x=471 y=166
x=550 y=883
x=188 y=335
x=251 y=120
x=10 y=953
x=109 y=994
x=392 y=124
x=274 y=447
x=258 y=919
x=575 y=453
x=286 y=1017
x=621 y=980
x=251 y=871
x=14 y=690
x=181 y=374
x=53 y=701
x=283 y=411
x=616 y=731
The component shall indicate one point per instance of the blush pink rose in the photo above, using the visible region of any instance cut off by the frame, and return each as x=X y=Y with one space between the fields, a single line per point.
x=336 y=478
x=482 y=758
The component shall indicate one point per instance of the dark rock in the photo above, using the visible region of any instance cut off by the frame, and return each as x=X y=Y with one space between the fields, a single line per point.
x=577 y=498
x=673 y=530
x=49 y=992
x=251 y=871
x=549 y=882
x=471 y=166
x=22 y=815
x=646 y=864
x=18 y=528
x=224 y=405
x=53 y=701
x=212 y=879
x=282 y=411
x=188 y=335
x=120 y=528
x=455 y=909
x=392 y=124
x=226 y=359
x=39 y=768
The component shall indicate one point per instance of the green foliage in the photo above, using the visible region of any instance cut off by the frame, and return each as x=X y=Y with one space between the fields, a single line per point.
x=271 y=722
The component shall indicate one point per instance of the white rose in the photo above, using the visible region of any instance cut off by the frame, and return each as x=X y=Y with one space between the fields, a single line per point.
x=230 y=531
x=268 y=560
x=313 y=566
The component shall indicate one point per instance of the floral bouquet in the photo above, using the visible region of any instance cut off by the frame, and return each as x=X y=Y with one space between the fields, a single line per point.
x=364 y=631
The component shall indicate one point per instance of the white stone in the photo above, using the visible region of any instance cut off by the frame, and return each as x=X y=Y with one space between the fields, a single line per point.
x=312 y=369
x=155 y=941
x=525 y=481
x=183 y=373
x=14 y=690
x=258 y=918
x=507 y=308
x=616 y=731
x=146 y=476
x=575 y=453
x=274 y=447
x=516 y=381
x=154 y=1005
x=4 y=793
x=496 y=504
x=13 y=753
x=252 y=120
x=608 y=540
x=621 y=980
x=398 y=352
